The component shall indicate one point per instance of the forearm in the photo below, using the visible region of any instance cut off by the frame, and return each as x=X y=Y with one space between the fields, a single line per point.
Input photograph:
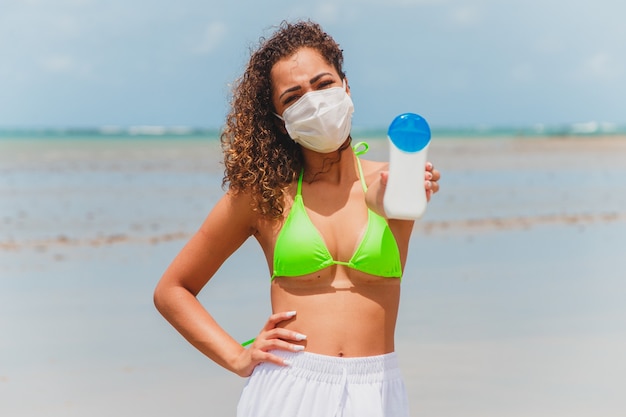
x=185 y=313
x=374 y=196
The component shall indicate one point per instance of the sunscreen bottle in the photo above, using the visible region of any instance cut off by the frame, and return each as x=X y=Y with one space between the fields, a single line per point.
x=405 y=196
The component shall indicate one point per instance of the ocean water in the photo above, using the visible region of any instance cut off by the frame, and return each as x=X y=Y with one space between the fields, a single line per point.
x=512 y=300
x=589 y=128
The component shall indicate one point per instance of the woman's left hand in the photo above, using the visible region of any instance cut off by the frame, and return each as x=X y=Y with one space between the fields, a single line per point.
x=376 y=191
x=431 y=178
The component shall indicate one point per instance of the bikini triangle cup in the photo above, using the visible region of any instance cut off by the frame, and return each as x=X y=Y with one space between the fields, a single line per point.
x=300 y=248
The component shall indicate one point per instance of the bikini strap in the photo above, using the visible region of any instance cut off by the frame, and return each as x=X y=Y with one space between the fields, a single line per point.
x=358 y=153
x=299 y=192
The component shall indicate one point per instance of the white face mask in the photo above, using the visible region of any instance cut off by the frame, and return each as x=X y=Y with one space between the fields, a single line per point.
x=320 y=120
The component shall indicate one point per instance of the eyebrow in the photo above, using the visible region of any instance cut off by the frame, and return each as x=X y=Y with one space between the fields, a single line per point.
x=311 y=81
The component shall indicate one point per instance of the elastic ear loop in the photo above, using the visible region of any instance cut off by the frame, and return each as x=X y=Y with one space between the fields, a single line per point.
x=359 y=152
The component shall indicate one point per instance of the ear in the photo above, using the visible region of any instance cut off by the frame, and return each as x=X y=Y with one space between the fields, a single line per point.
x=347 y=85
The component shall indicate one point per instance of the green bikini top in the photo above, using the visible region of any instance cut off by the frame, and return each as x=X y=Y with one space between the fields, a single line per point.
x=300 y=248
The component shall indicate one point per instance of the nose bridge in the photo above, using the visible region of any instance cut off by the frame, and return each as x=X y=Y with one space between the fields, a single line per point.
x=304 y=82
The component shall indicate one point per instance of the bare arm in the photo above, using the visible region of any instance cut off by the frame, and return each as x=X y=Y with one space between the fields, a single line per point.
x=225 y=229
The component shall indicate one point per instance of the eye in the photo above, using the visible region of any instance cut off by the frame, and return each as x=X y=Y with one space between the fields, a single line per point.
x=325 y=84
x=290 y=99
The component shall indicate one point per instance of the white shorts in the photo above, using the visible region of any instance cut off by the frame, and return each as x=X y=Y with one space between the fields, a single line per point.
x=325 y=386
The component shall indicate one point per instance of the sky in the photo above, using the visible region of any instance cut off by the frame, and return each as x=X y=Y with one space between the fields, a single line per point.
x=87 y=63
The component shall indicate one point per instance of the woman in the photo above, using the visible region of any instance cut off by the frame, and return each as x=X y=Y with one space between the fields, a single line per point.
x=296 y=185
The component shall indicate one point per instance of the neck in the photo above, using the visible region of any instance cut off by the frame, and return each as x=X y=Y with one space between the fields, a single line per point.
x=331 y=167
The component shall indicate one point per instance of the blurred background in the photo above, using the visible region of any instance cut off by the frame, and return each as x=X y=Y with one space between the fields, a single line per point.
x=532 y=63
x=513 y=296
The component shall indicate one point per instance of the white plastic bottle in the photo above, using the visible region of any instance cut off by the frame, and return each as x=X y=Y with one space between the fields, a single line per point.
x=405 y=196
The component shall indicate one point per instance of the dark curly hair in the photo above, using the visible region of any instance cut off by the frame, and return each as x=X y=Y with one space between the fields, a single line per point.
x=259 y=158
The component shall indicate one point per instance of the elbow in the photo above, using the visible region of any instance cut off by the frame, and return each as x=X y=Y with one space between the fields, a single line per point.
x=159 y=297
x=170 y=295
x=167 y=297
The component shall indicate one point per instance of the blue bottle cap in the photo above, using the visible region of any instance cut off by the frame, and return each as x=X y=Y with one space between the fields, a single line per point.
x=409 y=132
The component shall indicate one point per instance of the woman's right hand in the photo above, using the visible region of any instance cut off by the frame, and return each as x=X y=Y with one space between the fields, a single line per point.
x=270 y=338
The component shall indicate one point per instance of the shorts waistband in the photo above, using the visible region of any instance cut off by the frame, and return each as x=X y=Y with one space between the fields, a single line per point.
x=333 y=369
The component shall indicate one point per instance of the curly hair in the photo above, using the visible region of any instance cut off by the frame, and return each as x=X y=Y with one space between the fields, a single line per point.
x=259 y=158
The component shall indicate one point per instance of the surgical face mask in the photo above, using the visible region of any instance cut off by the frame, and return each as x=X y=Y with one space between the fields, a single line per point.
x=320 y=120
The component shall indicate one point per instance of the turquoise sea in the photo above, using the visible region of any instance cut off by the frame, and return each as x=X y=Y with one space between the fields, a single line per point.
x=512 y=299
x=591 y=128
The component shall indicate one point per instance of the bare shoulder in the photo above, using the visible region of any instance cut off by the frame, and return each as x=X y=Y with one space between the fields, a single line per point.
x=230 y=223
x=233 y=213
x=372 y=169
x=373 y=166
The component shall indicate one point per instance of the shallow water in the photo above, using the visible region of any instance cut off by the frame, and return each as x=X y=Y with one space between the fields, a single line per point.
x=512 y=299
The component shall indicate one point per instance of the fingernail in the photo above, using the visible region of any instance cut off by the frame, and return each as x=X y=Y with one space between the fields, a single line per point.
x=298 y=348
x=290 y=313
x=429 y=184
x=299 y=337
x=287 y=362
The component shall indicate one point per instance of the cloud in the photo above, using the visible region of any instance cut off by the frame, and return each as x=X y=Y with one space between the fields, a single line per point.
x=57 y=63
x=64 y=64
x=407 y=3
x=57 y=3
x=211 y=39
x=465 y=16
x=328 y=12
x=549 y=44
x=600 y=66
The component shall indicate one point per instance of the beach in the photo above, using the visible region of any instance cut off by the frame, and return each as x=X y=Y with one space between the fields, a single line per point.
x=512 y=298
